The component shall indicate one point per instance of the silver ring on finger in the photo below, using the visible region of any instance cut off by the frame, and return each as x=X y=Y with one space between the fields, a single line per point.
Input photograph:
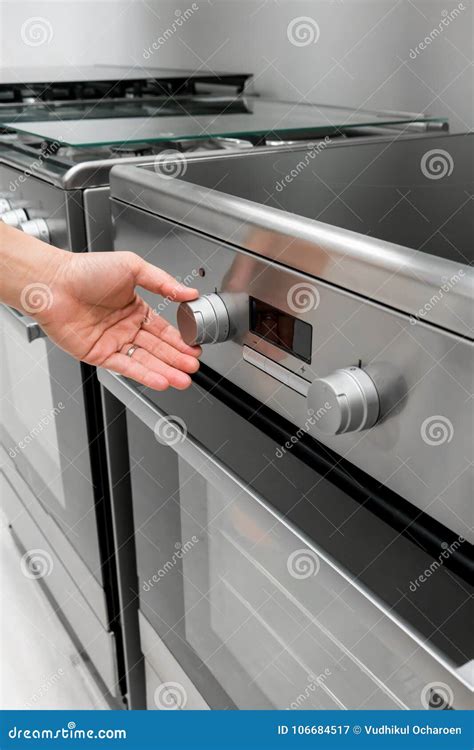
x=130 y=351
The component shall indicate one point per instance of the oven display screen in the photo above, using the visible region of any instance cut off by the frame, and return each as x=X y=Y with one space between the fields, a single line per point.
x=282 y=330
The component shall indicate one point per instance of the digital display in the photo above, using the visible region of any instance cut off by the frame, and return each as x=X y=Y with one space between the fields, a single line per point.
x=280 y=329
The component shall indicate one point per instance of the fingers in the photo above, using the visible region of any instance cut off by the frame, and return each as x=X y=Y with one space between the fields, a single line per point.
x=166 y=352
x=158 y=326
x=134 y=369
x=158 y=281
x=171 y=375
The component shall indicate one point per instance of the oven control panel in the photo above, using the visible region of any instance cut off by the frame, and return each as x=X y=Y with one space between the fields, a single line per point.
x=346 y=400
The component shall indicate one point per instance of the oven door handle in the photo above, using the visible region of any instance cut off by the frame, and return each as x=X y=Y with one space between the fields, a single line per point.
x=172 y=432
x=29 y=328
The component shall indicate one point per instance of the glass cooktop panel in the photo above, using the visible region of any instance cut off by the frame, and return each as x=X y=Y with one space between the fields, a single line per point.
x=258 y=117
x=157 y=106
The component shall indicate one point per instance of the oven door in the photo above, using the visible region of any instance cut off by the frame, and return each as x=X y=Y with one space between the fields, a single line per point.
x=262 y=584
x=44 y=430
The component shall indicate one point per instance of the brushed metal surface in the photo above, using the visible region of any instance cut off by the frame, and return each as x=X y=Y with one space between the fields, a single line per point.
x=428 y=370
x=309 y=225
x=401 y=642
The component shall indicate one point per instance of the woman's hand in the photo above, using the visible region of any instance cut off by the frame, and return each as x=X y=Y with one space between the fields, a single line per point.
x=88 y=305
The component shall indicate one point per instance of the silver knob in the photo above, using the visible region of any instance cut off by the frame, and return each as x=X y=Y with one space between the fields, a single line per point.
x=5 y=205
x=204 y=320
x=36 y=228
x=345 y=401
x=14 y=217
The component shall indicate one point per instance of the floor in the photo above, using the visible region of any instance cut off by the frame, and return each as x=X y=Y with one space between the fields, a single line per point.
x=41 y=668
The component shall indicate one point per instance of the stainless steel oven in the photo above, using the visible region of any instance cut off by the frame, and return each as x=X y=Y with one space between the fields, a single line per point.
x=269 y=577
x=289 y=555
x=52 y=466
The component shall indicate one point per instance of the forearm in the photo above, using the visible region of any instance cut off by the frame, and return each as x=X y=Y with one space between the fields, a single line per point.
x=28 y=267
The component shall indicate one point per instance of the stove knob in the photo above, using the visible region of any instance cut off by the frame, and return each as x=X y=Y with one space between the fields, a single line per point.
x=15 y=217
x=5 y=205
x=204 y=320
x=36 y=228
x=345 y=401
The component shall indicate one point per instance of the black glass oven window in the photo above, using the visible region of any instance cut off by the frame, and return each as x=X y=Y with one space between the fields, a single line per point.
x=280 y=329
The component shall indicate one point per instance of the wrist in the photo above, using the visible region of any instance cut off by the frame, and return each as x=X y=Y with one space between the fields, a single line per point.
x=30 y=272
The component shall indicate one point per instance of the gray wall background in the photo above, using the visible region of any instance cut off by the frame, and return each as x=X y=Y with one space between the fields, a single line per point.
x=361 y=58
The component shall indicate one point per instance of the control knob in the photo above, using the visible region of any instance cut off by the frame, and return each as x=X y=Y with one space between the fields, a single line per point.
x=204 y=320
x=5 y=205
x=36 y=228
x=15 y=217
x=345 y=401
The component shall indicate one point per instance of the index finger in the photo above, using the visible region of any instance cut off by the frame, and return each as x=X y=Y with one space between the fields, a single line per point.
x=160 y=282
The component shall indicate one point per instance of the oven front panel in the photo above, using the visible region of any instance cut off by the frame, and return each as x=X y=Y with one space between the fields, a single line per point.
x=421 y=449
x=252 y=565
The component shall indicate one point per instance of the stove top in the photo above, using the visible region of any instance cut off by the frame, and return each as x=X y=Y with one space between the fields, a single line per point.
x=238 y=117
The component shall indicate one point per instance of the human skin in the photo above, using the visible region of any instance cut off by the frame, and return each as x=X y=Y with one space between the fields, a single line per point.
x=88 y=305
